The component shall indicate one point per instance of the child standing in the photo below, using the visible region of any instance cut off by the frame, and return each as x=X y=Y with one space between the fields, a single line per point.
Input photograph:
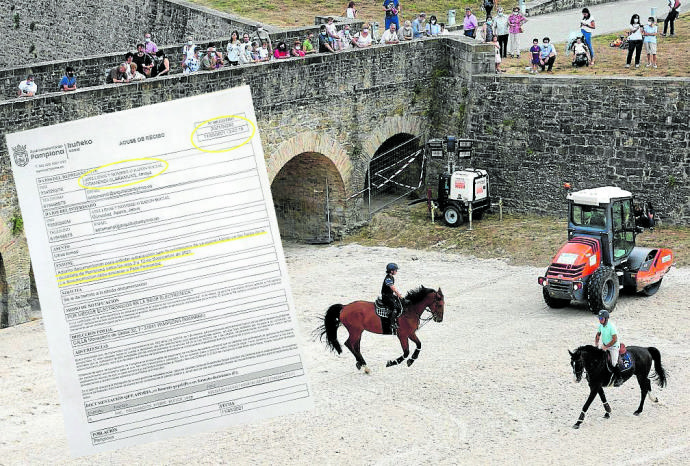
x=497 y=52
x=535 y=51
x=650 y=31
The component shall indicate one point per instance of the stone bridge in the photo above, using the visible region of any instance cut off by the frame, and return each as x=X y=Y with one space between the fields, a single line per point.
x=322 y=118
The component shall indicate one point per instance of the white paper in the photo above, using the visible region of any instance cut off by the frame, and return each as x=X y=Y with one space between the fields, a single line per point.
x=160 y=271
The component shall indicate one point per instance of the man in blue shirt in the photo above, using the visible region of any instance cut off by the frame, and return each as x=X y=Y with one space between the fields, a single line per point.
x=419 y=26
x=68 y=82
x=392 y=8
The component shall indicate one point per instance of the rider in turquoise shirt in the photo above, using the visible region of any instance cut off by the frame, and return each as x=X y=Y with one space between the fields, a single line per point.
x=608 y=334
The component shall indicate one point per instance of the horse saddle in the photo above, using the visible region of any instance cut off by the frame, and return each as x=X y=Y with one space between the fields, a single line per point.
x=625 y=361
x=389 y=323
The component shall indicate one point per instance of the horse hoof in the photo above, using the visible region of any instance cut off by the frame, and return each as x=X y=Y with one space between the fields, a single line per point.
x=359 y=365
x=367 y=370
x=637 y=413
x=576 y=426
x=390 y=363
x=607 y=415
x=409 y=362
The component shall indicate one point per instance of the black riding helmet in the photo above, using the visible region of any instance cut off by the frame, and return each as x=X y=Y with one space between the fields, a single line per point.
x=603 y=314
x=391 y=267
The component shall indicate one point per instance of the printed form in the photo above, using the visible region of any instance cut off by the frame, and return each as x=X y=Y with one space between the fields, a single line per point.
x=160 y=271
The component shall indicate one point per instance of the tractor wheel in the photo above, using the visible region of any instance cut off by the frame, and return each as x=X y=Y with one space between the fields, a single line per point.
x=602 y=290
x=452 y=216
x=651 y=289
x=555 y=303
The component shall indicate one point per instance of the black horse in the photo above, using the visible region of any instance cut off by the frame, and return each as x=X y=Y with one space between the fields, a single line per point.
x=594 y=361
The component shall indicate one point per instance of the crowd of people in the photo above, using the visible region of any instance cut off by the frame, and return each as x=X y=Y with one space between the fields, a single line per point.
x=503 y=31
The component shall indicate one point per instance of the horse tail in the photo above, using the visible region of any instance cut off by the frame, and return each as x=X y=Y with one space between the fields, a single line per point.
x=660 y=372
x=331 y=322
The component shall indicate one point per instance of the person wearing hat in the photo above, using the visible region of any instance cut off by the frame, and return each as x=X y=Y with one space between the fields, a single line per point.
x=389 y=293
x=260 y=36
x=607 y=339
x=419 y=26
x=469 y=23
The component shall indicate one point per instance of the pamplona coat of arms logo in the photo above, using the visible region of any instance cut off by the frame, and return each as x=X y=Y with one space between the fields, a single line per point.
x=21 y=156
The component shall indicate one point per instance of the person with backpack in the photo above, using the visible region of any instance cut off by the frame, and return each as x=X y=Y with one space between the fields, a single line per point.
x=673 y=6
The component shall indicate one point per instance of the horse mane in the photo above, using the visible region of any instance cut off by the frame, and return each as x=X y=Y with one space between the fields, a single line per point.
x=418 y=294
x=589 y=350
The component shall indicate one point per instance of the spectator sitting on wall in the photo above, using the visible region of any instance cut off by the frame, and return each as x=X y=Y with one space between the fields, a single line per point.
x=261 y=36
x=444 y=31
x=118 y=74
x=246 y=51
x=406 y=32
x=390 y=36
x=150 y=47
x=208 y=61
x=68 y=81
x=296 y=50
x=129 y=56
x=345 y=38
x=191 y=64
x=362 y=38
x=264 y=54
x=419 y=26
x=256 y=52
x=281 y=51
x=234 y=49
x=325 y=42
x=433 y=29
x=28 y=88
x=143 y=60
x=135 y=74
x=161 y=64
x=308 y=44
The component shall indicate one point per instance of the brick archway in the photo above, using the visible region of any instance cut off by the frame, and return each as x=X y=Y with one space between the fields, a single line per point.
x=310 y=141
x=391 y=126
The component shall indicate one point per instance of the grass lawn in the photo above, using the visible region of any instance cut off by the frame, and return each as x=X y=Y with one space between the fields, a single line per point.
x=520 y=239
x=673 y=57
x=295 y=13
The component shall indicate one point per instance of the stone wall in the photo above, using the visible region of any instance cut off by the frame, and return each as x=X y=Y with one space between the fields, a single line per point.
x=340 y=106
x=35 y=31
x=535 y=133
x=90 y=71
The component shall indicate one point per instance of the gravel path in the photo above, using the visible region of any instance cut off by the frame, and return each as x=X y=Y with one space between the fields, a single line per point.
x=492 y=385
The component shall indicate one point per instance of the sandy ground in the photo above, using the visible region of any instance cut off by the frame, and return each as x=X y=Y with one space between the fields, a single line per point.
x=492 y=385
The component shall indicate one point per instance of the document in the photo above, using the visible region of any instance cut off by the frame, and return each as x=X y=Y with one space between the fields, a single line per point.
x=160 y=271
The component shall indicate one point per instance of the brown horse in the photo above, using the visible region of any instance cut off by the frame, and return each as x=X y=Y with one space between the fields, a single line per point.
x=359 y=316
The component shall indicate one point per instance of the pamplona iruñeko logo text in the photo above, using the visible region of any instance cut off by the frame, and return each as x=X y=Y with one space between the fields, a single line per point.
x=21 y=156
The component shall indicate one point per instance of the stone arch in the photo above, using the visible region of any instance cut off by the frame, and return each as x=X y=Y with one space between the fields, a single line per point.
x=390 y=127
x=310 y=199
x=310 y=142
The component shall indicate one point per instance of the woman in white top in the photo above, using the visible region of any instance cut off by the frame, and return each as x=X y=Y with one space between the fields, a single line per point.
x=234 y=49
x=587 y=26
x=363 y=38
x=350 y=11
x=634 y=41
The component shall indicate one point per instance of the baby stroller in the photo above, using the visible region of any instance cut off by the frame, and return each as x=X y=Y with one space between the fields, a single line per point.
x=621 y=43
x=580 y=58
